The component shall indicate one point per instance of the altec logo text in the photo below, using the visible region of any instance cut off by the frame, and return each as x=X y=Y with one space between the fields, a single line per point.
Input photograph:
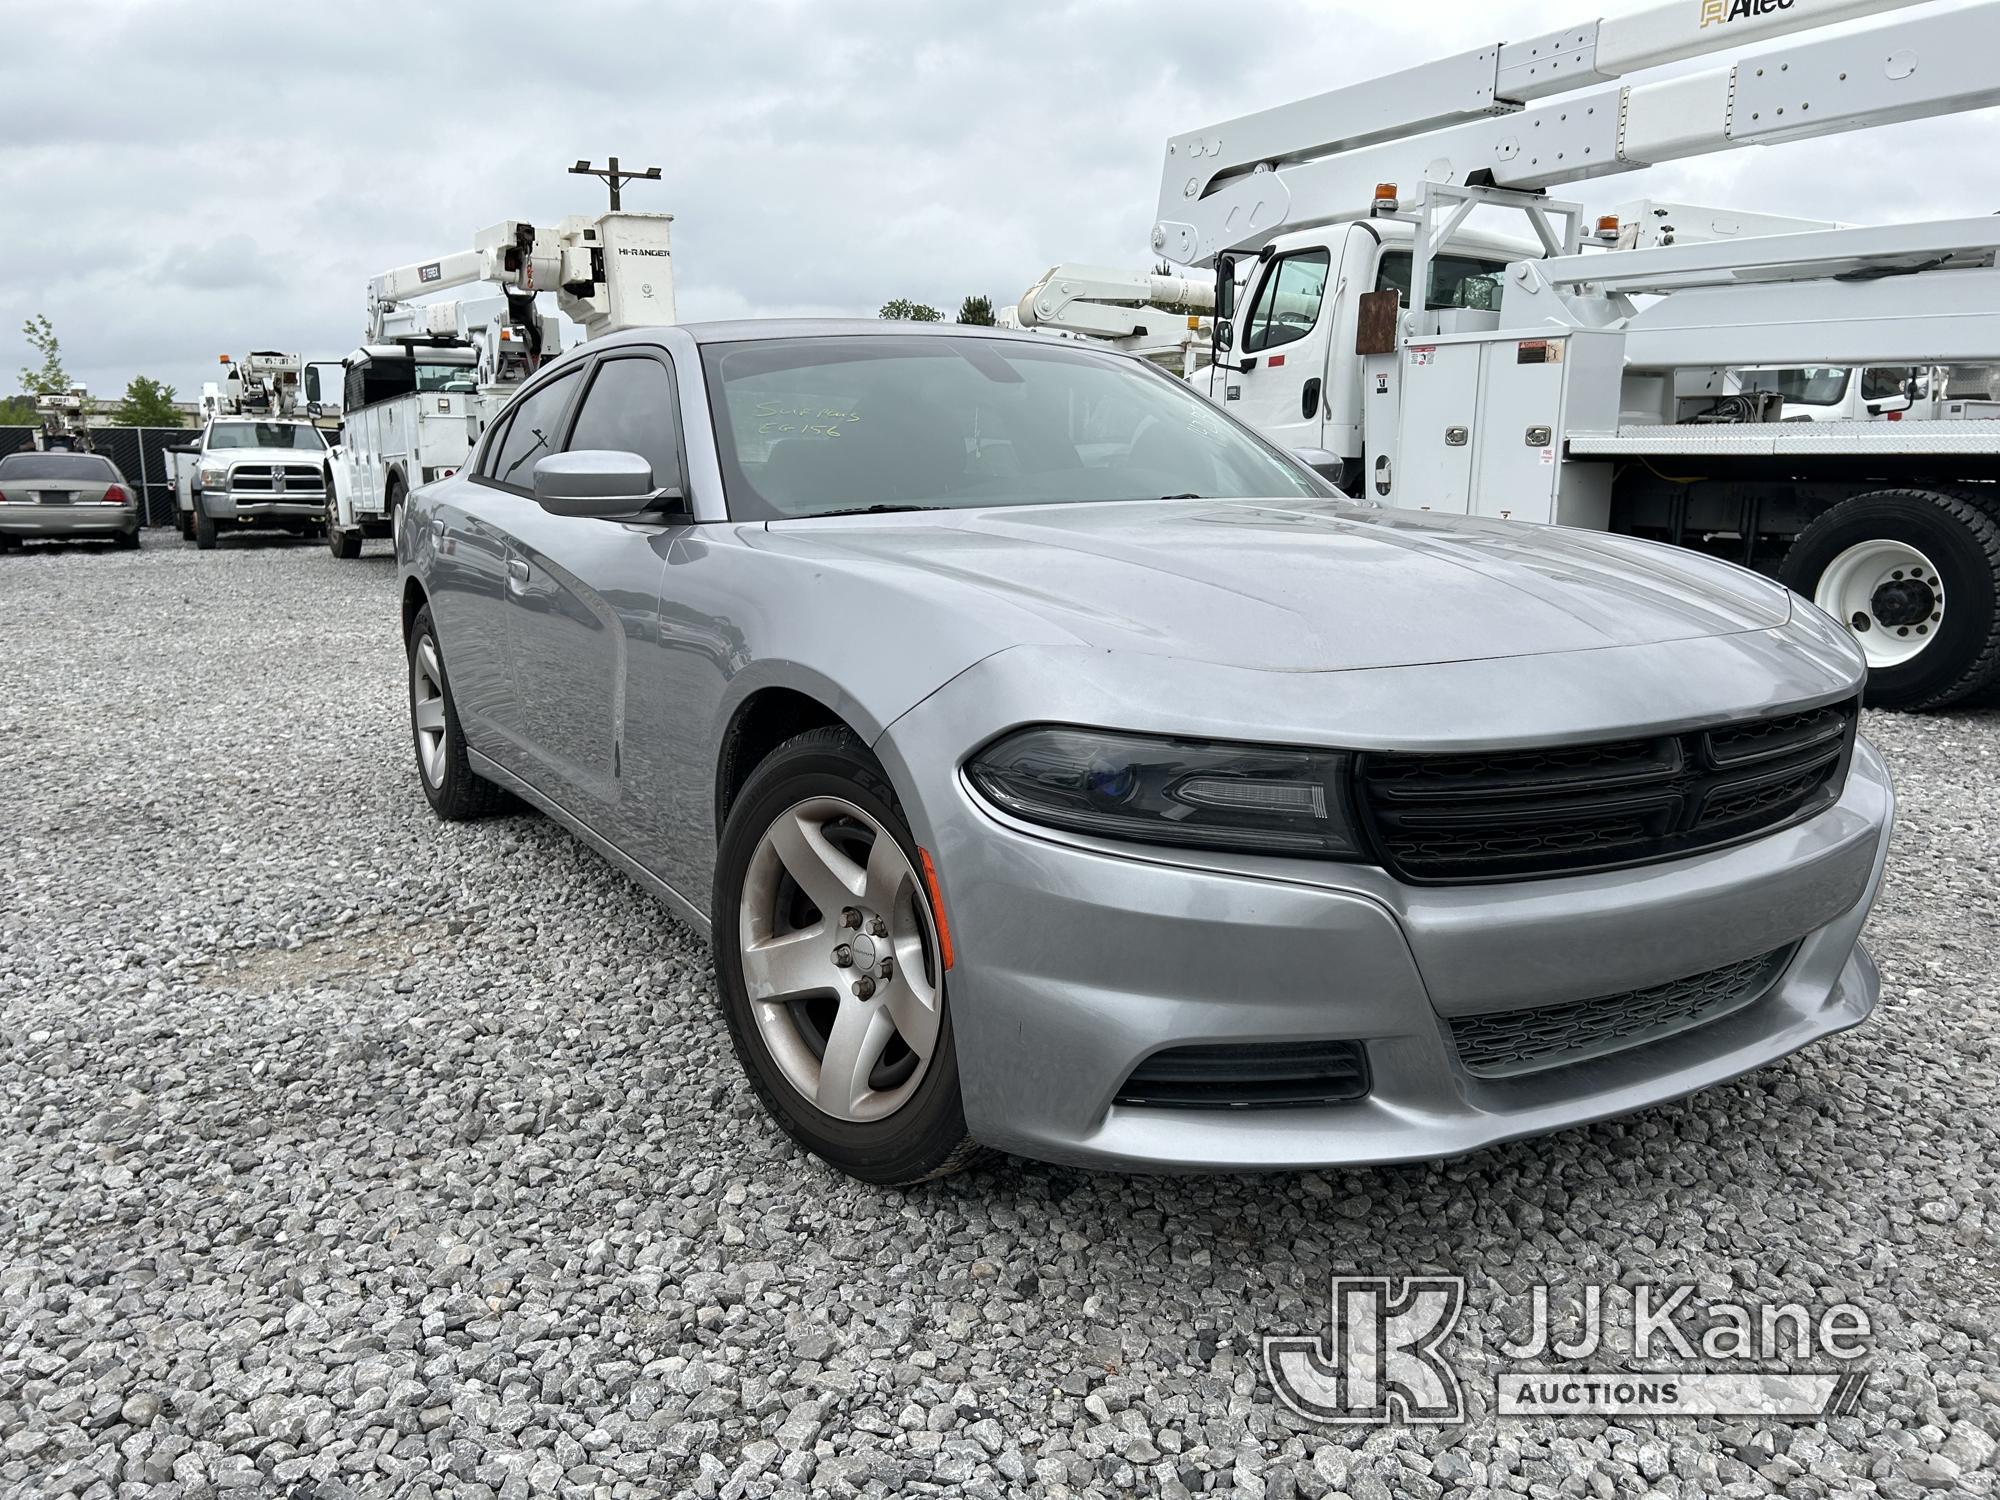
x=1721 y=12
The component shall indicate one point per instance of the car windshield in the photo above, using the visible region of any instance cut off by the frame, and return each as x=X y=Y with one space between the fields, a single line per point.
x=264 y=435
x=1813 y=385
x=814 y=426
x=22 y=466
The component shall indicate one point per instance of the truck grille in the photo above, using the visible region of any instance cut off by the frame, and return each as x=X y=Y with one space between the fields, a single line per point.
x=303 y=481
x=1508 y=1043
x=1453 y=819
x=1257 y=1075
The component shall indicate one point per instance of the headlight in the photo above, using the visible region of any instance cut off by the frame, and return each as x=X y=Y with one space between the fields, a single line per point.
x=1190 y=793
x=213 y=476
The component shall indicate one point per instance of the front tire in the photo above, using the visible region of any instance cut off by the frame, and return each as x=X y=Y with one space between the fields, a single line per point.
x=830 y=968
x=455 y=791
x=1914 y=576
x=343 y=544
x=205 y=531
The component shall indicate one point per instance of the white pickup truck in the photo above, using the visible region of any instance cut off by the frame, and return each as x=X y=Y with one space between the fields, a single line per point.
x=245 y=472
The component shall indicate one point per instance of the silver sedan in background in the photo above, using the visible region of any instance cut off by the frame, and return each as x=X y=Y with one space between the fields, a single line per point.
x=1058 y=767
x=65 y=496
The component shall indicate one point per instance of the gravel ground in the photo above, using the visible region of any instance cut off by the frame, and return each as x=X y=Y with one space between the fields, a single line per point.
x=348 y=1153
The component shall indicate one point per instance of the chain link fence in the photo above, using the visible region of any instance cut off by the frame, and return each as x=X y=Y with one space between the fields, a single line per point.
x=140 y=454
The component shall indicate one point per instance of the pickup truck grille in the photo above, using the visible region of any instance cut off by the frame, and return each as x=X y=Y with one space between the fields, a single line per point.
x=1508 y=1043
x=1516 y=815
x=304 y=481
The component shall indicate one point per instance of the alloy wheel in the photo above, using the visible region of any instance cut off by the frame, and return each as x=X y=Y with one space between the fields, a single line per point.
x=839 y=957
x=427 y=709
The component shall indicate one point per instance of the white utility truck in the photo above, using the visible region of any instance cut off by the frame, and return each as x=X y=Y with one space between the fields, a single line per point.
x=62 y=422
x=1525 y=378
x=421 y=389
x=259 y=461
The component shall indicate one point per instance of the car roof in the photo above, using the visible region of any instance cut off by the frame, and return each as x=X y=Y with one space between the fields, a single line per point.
x=740 y=330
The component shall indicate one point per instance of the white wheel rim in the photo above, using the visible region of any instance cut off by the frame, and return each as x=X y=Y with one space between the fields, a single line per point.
x=848 y=1005
x=427 y=709
x=1888 y=595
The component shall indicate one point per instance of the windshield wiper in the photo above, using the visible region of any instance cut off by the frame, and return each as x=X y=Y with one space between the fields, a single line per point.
x=1190 y=495
x=870 y=510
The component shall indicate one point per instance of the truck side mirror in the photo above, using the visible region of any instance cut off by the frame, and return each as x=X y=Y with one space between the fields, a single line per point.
x=602 y=484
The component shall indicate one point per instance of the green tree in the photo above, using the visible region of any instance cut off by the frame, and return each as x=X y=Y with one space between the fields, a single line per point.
x=147 y=403
x=902 y=309
x=17 y=411
x=976 y=310
x=51 y=379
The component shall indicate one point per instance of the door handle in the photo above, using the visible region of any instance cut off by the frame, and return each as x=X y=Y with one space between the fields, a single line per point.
x=1309 y=399
x=517 y=571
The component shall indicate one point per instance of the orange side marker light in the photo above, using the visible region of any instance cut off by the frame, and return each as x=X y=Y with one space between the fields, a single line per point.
x=937 y=907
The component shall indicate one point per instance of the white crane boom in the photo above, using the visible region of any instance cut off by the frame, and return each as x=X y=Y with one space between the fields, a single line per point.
x=1466 y=121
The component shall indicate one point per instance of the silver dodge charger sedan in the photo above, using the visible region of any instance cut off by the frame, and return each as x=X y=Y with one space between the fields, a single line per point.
x=1057 y=767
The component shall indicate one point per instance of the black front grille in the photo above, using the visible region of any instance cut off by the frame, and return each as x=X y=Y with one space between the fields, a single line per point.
x=1261 y=1075
x=1517 y=814
x=1506 y=1043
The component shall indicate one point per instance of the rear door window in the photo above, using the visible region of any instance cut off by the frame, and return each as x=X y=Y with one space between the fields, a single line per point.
x=1288 y=302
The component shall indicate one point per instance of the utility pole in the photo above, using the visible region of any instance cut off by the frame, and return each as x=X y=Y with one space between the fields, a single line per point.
x=612 y=177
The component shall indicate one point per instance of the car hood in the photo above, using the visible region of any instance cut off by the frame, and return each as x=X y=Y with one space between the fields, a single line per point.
x=1301 y=586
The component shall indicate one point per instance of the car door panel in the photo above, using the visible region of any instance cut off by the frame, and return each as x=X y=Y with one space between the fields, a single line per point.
x=583 y=609
x=467 y=543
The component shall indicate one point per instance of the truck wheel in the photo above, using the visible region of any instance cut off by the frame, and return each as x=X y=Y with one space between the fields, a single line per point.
x=1914 y=575
x=396 y=498
x=456 y=792
x=343 y=544
x=184 y=524
x=204 y=530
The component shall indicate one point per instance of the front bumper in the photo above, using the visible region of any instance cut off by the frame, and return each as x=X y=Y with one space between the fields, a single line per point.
x=222 y=505
x=85 y=519
x=1077 y=961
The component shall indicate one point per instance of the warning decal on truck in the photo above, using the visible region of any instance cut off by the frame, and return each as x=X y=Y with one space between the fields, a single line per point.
x=1539 y=352
x=1423 y=354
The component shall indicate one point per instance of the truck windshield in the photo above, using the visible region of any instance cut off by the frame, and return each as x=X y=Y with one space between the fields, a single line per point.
x=1456 y=280
x=1812 y=385
x=264 y=435
x=817 y=426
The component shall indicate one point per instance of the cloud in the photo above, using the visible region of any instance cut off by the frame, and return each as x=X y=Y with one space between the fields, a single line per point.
x=238 y=175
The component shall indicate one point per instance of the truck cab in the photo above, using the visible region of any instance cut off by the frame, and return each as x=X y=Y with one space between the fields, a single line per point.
x=248 y=471
x=1285 y=351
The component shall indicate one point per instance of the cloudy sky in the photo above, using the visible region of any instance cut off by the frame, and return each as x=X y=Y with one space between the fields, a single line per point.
x=181 y=180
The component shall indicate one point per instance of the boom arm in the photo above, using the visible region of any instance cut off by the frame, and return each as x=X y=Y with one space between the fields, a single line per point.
x=1465 y=121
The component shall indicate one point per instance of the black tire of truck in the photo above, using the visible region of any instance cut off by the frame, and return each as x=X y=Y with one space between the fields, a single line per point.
x=184 y=524
x=343 y=544
x=205 y=531
x=1960 y=534
x=398 y=495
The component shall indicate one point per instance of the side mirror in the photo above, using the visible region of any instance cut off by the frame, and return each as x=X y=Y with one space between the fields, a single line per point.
x=601 y=484
x=1325 y=463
